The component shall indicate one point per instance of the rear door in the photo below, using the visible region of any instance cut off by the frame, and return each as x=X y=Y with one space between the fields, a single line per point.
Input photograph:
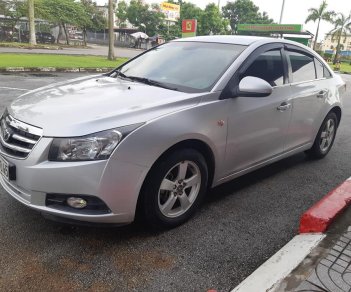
x=309 y=93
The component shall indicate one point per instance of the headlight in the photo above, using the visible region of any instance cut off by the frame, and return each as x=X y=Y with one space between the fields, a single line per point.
x=97 y=146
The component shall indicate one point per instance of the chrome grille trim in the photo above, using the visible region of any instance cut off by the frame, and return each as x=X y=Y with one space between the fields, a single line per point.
x=23 y=126
x=13 y=147
x=24 y=139
x=17 y=138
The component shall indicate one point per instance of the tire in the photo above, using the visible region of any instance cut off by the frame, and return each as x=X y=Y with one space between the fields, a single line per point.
x=169 y=197
x=325 y=137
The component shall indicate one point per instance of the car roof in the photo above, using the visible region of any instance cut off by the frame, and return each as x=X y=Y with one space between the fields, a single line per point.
x=227 y=39
x=238 y=40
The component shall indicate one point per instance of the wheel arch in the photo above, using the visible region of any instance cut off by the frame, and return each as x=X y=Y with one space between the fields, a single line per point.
x=337 y=111
x=195 y=144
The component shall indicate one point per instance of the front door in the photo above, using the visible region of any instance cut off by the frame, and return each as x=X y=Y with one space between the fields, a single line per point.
x=257 y=126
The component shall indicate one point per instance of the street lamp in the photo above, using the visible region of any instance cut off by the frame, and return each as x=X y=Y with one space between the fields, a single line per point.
x=281 y=13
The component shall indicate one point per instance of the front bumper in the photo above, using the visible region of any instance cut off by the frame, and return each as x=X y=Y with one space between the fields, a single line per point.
x=116 y=183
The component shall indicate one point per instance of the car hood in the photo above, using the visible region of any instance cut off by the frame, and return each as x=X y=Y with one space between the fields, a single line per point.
x=91 y=104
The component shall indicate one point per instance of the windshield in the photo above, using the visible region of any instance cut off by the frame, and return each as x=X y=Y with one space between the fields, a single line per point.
x=184 y=66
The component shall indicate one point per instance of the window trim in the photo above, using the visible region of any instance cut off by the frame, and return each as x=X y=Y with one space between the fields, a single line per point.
x=290 y=48
x=231 y=89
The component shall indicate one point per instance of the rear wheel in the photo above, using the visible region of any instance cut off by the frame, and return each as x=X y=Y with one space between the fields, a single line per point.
x=325 y=137
x=174 y=188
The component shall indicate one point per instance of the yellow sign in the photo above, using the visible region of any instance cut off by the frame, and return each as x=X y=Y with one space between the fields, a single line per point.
x=172 y=11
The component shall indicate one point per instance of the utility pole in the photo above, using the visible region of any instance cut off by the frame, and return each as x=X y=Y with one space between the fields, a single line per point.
x=31 y=20
x=281 y=13
x=219 y=4
x=111 y=32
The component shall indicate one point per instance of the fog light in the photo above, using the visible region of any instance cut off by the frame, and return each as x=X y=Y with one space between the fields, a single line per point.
x=77 y=203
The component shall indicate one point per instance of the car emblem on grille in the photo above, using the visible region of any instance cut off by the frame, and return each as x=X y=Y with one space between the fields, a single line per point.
x=6 y=131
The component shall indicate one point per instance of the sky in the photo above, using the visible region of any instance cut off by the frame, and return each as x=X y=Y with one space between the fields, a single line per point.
x=295 y=11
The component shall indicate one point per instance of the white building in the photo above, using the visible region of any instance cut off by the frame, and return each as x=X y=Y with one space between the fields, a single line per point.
x=330 y=44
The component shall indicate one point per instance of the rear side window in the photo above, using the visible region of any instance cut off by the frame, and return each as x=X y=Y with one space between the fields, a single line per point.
x=302 y=67
x=326 y=72
x=268 y=66
x=319 y=69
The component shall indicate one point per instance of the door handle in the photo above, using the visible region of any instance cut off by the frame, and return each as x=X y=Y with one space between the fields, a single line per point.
x=322 y=93
x=284 y=106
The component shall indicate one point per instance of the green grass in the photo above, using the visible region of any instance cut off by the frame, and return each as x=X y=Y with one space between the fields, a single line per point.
x=54 y=46
x=344 y=67
x=57 y=61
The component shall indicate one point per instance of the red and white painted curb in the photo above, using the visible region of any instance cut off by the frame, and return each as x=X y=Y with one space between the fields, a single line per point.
x=313 y=223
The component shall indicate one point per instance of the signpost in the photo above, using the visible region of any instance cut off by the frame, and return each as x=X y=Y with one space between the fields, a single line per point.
x=292 y=32
x=189 y=27
x=172 y=11
x=271 y=28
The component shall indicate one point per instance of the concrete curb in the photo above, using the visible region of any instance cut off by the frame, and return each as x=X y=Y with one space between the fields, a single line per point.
x=313 y=223
x=319 y=217
x=268 y=275
x=52 y=69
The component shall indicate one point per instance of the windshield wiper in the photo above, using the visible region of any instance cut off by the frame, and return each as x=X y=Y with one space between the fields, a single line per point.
x=119 y=74
x=150 y=82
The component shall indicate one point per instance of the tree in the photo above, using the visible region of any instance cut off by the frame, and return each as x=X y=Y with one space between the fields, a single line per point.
x=31 y=21
x=121 y=12
x=14 y=10
x=212 y=21
x=244 y=11
x=318 y=14
x=63 y=12
x=111 y=35
x=93 y=19
x=145 y=17
x=342 y=26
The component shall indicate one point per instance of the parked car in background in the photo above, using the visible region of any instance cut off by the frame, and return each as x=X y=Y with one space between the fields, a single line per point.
x=41 y=37
x=153 y=135
x=45 y=38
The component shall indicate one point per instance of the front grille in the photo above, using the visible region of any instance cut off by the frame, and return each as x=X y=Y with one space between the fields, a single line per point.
x=17 y=138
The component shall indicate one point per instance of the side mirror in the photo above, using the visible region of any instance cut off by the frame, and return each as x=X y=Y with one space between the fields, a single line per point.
x=254 y=87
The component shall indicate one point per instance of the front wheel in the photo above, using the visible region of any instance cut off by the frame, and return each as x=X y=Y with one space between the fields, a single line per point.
x=174 y=188
x=325 y=137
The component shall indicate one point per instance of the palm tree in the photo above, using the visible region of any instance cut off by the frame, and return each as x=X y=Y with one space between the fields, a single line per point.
x=319 y=14
x=342 y=26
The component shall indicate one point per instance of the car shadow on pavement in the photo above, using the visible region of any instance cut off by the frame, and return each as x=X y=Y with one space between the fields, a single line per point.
x=230 y=188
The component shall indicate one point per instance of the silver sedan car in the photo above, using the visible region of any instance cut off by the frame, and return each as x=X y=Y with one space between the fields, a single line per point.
x=151 y=137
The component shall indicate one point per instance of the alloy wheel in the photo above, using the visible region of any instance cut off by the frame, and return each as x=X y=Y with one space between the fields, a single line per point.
x=179 y=189
x=327 y=135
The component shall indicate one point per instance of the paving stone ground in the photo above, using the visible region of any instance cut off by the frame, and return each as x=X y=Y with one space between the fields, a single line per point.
x=333 y=272
x=328 y=267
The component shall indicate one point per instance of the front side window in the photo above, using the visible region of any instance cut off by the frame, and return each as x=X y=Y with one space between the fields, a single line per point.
x=302 y=67
x=268 y=66
x=184 y=66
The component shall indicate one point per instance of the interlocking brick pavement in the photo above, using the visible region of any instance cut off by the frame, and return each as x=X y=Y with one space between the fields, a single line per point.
x=333 y=272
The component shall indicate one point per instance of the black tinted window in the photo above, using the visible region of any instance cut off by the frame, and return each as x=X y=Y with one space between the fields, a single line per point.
x=269 y=67
x=302 y=67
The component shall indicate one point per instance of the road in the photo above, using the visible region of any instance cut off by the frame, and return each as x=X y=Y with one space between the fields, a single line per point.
x=241 y=224
x=93 y=50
